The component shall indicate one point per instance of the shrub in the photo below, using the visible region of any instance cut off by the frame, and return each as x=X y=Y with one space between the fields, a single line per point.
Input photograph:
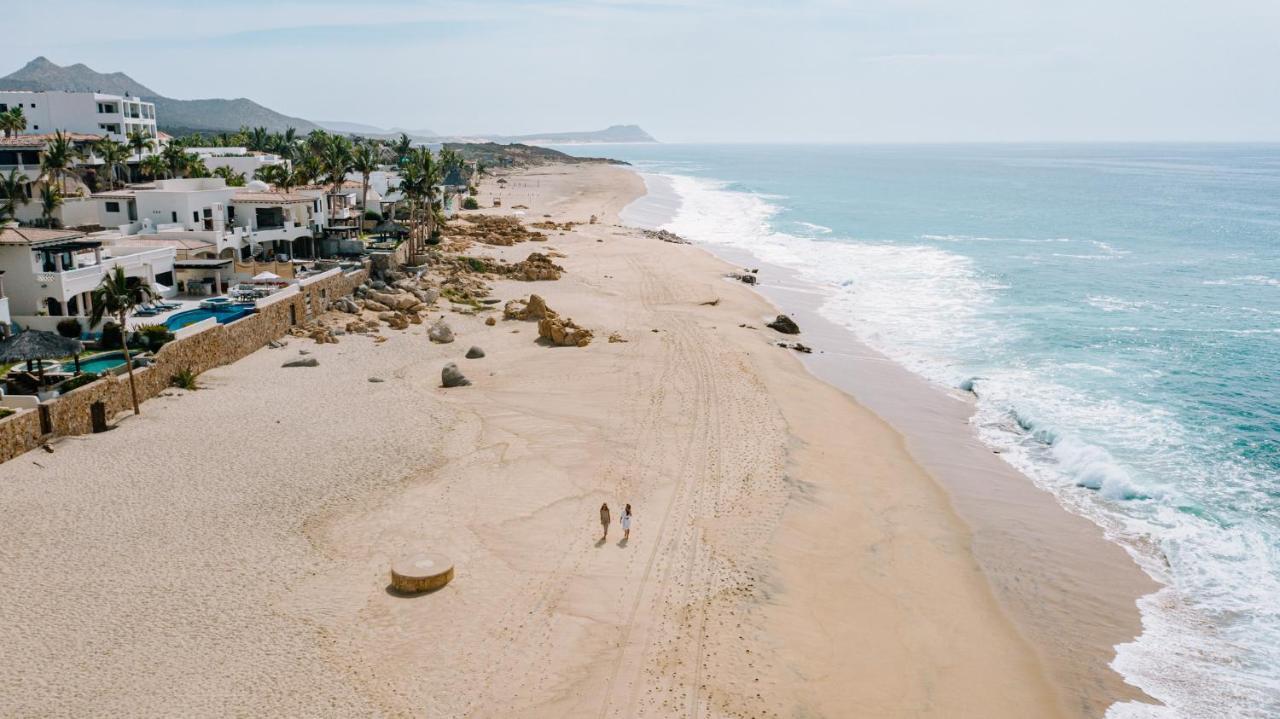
x=5 y=412
x=70 y=328
x=477 y=265
x=185 y=379
x=473 y=190
x=79 y=380
x=373 y=215
x=470 y=204
x=155 y=336
x=112 y=337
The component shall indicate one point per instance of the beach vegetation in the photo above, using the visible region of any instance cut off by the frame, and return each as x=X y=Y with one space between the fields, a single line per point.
x=50 y=201
x=153 y=337
x=184 y=379
x=470 y=204
x=79 y=380
x=118 y=296
x=13 y=190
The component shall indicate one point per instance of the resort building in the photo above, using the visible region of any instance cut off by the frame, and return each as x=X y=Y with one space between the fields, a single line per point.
x=24 y=152
x=237 y=223
x=49 y=274
x=239 y=159
x=94 y=113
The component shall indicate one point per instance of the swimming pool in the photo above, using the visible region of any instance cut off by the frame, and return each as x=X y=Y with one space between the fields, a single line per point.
x=223 y=315
x=97 y=363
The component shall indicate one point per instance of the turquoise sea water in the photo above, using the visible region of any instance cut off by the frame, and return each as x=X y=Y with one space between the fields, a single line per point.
x=1116 y=310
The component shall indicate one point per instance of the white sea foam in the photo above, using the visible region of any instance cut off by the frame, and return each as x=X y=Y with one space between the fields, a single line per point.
x=1206 y=647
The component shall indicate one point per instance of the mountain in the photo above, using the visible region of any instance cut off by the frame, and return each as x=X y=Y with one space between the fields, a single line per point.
x=180 y=117
x=40 y=74
x=613 y=133
x=174 y=116
x=351 y=128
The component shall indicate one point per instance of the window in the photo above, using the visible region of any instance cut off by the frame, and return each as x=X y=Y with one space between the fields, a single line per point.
x=113 y=207
x=195 y=216
x=175 y=216
x=4 y=107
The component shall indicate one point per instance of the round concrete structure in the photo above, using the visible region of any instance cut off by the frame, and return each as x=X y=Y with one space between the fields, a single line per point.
x=422 y=572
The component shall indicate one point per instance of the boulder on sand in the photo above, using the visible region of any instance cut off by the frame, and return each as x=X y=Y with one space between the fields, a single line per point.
x=785 y=325
x=475 y=353
x=563 y=333
x=440 y=332
x=535 y=308
x=451 y=376
x=304 y=362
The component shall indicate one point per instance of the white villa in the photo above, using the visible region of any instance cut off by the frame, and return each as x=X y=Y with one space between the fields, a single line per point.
x=93 y=113
x=237 y=223
x=238 y=159
x=49 y=274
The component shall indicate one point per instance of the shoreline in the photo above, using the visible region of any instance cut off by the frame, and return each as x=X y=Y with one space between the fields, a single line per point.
x=788 y=556
x=1042 y=560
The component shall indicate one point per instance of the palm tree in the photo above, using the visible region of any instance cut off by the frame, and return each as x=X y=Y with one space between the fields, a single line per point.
x=14 y=188
x=401 y=148
x=335 y=158
x=233 y=178
x=364 y=161
x=114 y=155
x=140 y=141
x=418 y=180
x=175 y=159
x=195 y=167
x=13 y=122
x=60 y=156
x=154 y=166
x=258 y=139
x=117 y=298
x=278 y=176
x=50 y=201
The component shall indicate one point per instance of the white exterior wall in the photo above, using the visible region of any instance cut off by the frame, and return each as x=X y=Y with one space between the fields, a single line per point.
x=79 y=112
x=182 y=203
x=27 y=285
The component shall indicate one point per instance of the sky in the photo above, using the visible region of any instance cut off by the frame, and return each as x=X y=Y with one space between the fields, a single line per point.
x=702 y=70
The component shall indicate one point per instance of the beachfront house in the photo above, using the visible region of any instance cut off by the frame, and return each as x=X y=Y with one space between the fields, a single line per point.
x=92 y=113
x=24 y=153
x=237 y=223
x=239 y=160
x=49 y=274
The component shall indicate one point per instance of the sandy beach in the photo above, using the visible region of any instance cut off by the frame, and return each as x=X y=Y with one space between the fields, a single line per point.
x=226 y=553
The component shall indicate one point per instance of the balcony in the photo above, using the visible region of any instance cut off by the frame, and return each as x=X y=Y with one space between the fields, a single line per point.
x=69 y=283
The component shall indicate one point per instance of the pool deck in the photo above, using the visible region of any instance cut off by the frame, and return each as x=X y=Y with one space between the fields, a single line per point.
x=187 y=302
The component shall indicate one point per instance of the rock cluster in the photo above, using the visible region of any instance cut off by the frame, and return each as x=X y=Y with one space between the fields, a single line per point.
x=665 y=236
x=536 y=267
x=319 y=333
x=744 y=277
x=492 y=230
x=534 y=308
x=563 y=332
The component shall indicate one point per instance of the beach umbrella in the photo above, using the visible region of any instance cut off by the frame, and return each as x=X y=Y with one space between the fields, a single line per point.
x=37 y=345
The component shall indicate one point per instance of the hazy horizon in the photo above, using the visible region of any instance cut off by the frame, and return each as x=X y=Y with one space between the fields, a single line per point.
x=880 y=72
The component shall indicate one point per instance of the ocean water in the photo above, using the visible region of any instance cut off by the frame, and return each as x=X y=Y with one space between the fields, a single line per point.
x=1116 y=311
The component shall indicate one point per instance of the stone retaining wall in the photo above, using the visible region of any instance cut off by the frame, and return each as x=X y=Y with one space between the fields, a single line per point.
x=219 y=345
x=19 y=432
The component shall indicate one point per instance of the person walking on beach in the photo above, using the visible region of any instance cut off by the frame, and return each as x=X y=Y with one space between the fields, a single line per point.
x=626 y=523
x=604 y=520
